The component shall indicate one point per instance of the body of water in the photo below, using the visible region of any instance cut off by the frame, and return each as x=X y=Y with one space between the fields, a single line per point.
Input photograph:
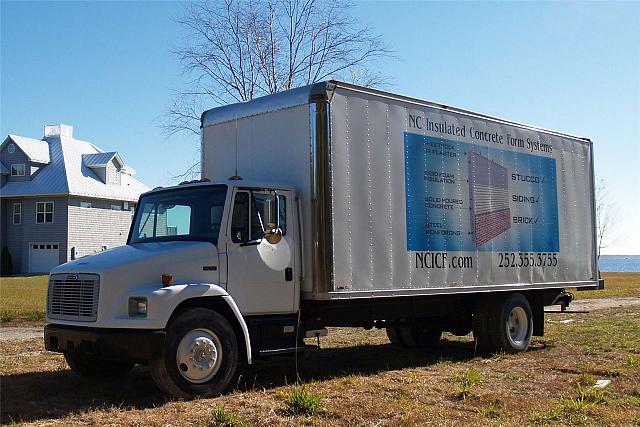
x=622 y=263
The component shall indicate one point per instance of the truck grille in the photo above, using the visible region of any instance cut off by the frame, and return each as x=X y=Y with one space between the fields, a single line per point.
x=73 y=297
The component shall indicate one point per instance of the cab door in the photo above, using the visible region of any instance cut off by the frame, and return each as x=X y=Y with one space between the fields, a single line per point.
x=260 y=274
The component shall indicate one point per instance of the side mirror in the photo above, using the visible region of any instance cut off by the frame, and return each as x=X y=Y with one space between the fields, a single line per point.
x=271 y=222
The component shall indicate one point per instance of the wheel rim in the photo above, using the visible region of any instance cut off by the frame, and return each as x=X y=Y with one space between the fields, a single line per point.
x=199 y=355
x=517 y=326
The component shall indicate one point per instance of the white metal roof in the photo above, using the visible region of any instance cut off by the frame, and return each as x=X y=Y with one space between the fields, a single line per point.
x=101 y=159
x=37 y=151
x=67 y=174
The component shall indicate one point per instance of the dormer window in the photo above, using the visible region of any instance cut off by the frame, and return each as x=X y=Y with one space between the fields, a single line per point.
x=17 y=169
x=108 y=166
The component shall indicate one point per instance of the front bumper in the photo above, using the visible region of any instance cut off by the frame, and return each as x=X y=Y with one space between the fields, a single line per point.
x=114 y=344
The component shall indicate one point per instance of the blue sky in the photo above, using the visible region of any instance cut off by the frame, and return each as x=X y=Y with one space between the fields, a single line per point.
x=107 y=69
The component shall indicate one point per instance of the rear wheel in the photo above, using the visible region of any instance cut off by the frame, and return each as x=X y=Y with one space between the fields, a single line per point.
x=93 y=367
x=395 y=336
x=199 y=357
x=480 y=325
x=414 y=335
x=420 y=335
x=504 y=325
x=515 y=325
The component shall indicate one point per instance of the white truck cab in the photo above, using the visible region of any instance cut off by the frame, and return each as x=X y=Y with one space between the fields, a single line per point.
x=198 y=242
x=390 y=212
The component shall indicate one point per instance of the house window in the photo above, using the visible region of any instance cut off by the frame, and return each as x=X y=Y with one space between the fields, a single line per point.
x=104 y=248
x=126 y=205
x=116 y=207
x=85 y=204
x=17 y=213
x=44 y=212
x=17 y=169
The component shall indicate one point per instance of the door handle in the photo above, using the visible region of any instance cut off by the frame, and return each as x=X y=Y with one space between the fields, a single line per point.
x=288 y=274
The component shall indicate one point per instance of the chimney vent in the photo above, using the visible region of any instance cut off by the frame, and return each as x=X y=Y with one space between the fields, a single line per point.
x=58 y=130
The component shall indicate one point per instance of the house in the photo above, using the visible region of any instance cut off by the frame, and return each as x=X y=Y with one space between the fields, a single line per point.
x=62 y=198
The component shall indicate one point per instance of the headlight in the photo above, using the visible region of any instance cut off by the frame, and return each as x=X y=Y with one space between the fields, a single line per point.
x=138 y=306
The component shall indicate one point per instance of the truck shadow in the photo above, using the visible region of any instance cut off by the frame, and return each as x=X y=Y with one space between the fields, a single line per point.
x=36 y=396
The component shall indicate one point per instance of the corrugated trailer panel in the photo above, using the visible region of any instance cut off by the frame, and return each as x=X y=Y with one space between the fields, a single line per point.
x=415 y=192
x=409 y=205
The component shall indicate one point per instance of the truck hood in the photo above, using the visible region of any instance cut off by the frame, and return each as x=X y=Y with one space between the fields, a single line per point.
x=145 y=263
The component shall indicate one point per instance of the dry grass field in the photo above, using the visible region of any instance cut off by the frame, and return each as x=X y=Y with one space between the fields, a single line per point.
x=22 y=299
x=358 y=378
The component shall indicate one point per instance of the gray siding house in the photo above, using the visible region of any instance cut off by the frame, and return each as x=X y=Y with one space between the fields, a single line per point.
x=61 y=199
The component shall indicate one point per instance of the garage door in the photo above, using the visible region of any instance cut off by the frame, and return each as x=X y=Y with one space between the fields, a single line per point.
x=43 y=257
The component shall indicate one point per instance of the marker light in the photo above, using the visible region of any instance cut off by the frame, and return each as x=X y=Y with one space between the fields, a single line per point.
x=167 y=279
x=138 y=307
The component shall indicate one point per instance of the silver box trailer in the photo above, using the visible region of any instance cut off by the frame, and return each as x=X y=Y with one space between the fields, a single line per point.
x=356 y=208
x=401 y=196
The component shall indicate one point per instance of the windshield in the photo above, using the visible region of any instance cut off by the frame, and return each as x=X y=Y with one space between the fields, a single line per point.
x=180 y=214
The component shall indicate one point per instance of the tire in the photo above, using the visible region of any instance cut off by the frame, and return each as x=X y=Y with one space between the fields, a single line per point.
x=395 y=336
x=419 y=336
x=480 y=325
x=514 y=325
x=208 y=335
x=93 y=367
x=503 y=325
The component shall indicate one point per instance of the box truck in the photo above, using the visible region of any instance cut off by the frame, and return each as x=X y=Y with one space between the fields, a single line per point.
x=334 y=205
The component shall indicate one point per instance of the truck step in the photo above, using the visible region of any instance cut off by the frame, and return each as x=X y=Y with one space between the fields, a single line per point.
x=280 y=351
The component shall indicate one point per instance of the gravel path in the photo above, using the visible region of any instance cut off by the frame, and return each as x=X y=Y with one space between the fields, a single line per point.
x=12 y=333
x=599 y=304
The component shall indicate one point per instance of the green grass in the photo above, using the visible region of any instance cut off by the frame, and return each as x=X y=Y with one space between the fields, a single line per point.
x=223 y=418
x=302 y=401
x=615 y=285
x=465 y=382
x=22 y=299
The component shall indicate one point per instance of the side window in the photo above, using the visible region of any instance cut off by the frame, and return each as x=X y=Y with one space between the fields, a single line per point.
x=17 y=213
x=258 y=206
x=245 y=223
x=240 y=219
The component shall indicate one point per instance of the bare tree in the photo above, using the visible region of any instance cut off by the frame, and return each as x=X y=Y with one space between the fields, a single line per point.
x=606 y=216
x=236 y=50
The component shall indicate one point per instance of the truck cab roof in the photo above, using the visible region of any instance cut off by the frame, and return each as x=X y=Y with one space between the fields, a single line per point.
x=237 y=183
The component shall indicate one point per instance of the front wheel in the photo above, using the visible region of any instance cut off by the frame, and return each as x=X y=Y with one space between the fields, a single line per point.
x=96 y=368
x=199 y=357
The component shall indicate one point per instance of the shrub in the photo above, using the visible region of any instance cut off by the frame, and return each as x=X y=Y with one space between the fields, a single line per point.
x=586 y=379
x=301 y=401
x=465 y=382
x=221 y=418
x=584 y=397
x=6 y=317
x=551 y=416
x=493 y=411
